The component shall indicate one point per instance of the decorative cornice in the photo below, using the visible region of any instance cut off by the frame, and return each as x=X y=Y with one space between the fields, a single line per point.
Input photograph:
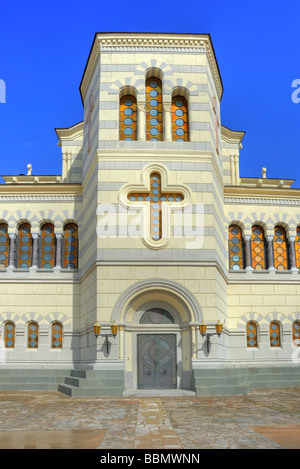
x=260 y=201
x=232 y=136
x=70 y=133
x=151 y=42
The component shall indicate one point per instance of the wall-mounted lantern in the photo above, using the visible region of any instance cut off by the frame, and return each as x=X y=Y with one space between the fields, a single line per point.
x=97 y=332
x=202 y=328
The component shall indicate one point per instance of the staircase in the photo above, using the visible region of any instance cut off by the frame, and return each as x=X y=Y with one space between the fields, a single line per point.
x=232 y=381
x=93 y=383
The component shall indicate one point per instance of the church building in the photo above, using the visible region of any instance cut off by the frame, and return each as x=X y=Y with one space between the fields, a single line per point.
x=149 y=265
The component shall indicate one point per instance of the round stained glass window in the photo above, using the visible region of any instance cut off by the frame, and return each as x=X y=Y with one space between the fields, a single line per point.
x=132 y=198
x=48 y=239
x=235 y=240
x=235 y=267
x=47 y=257
x=128 y=112
x=128 y=121
x=9 y=343
x=25 y=239
x=154 y=139
x=70 y=257
x=256 y=231
x=235 y=258
x=24 y=257
x=296 y=326
x=279 y=240
x=274 y=327
x=179 y=112
x=235 y=249
x=257 y=240
x=70 y=266
x=154 y=132
x=153 y=112
x=128 y=139
x=2 y=257
x=153 y=121
x=71 y=229
x=48 y=248
x=179 y=102
x=128 y=131
x=155 y=237
x=234 y=231
x=24 y=266
x=155 y=221
x=70 y=248
x=251 y=327
x=48 y=229
x=24 y=248
x=274 y=342
x=2 y=239
x=140 y=198
x=156 y=229
x=179 y=122
x=153 y=93
x=179 y=140
x=71 y=239
x=25 y=229
x=3 y=229
x=153 y=102
x=279 y=232
x=128 y=102
x=171 y=198
x=180 y=132
x=2 y=248
x=153 y=84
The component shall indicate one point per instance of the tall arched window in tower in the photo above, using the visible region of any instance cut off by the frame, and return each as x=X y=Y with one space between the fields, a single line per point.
x=33 y=335
x=236 y=256
x=24 y=251
x=9 y=334
x=275 y=340
x=71 y=246
x=258 y=248
x=154 y=117
x=56 y=335
x=252 y=334
x=4 y=246
x=47 y=246
x=128 y=118
x=297 y=248
x=280 y=249
x=180 y=122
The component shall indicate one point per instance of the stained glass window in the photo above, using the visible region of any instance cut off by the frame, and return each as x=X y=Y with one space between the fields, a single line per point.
x=251 y=334
x=9 y=334
x=296 y=333
x=128 y=116
x=71 y=246
x=236 y=258
x=56 y=335
x=258 y=248
x=180 y=124
x=157 y=316
x=47 y=246
x=4 y=246
x=156 y=197
x=280 y=249
x=33 y=335
x=297 y=248
x=275 y=334
x=24 y=246
x=154 y=120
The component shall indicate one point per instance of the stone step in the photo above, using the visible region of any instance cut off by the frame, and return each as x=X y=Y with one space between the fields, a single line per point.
x=91 y=392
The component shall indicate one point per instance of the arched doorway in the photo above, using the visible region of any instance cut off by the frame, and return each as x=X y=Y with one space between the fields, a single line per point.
x=156 y=353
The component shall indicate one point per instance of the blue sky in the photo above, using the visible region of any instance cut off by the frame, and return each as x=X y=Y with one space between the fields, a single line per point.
x=45 y=46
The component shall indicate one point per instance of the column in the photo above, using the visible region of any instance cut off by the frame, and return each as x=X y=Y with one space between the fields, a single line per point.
x=248 y=255
x=141 y=121
x=270 y=252
x=35 y=237
x=121 y=341
x=292 y=253
x=194 y=341
x=167 y=122
x=64 y=166
x=69 y=155
x=232 y=171
x=12 y=242
x=237 y=170
x=58 y=250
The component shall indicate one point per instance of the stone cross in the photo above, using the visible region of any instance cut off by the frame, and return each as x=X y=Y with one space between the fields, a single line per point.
x=156 y=197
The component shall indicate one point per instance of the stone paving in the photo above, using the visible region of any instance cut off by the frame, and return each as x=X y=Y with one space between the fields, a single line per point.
x=267 y=419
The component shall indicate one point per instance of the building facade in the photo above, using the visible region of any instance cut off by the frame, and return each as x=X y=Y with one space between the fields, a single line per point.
x=149 y=227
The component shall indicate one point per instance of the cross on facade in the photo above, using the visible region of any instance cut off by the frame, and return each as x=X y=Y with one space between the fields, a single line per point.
x=156 y=197
x=217 y=124
x=89 y=119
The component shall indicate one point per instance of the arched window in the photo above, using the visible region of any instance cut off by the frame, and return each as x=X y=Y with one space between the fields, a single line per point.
x=56 y=335
x=156 y=316
x=258 y=248
x=47 y=257
x=128 y=116
x=236 y=257
x=297 y=248
x=280 y=249
x=296 y=333
x=252 y=334
x=275 y=340
x=4 y=246
x=154 y=118
x=71 y=246
x=24 y=250
x=33 y=335
x=9 y=334
x=180 y=122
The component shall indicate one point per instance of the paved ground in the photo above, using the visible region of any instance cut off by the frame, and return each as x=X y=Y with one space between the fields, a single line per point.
x=263 y=419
